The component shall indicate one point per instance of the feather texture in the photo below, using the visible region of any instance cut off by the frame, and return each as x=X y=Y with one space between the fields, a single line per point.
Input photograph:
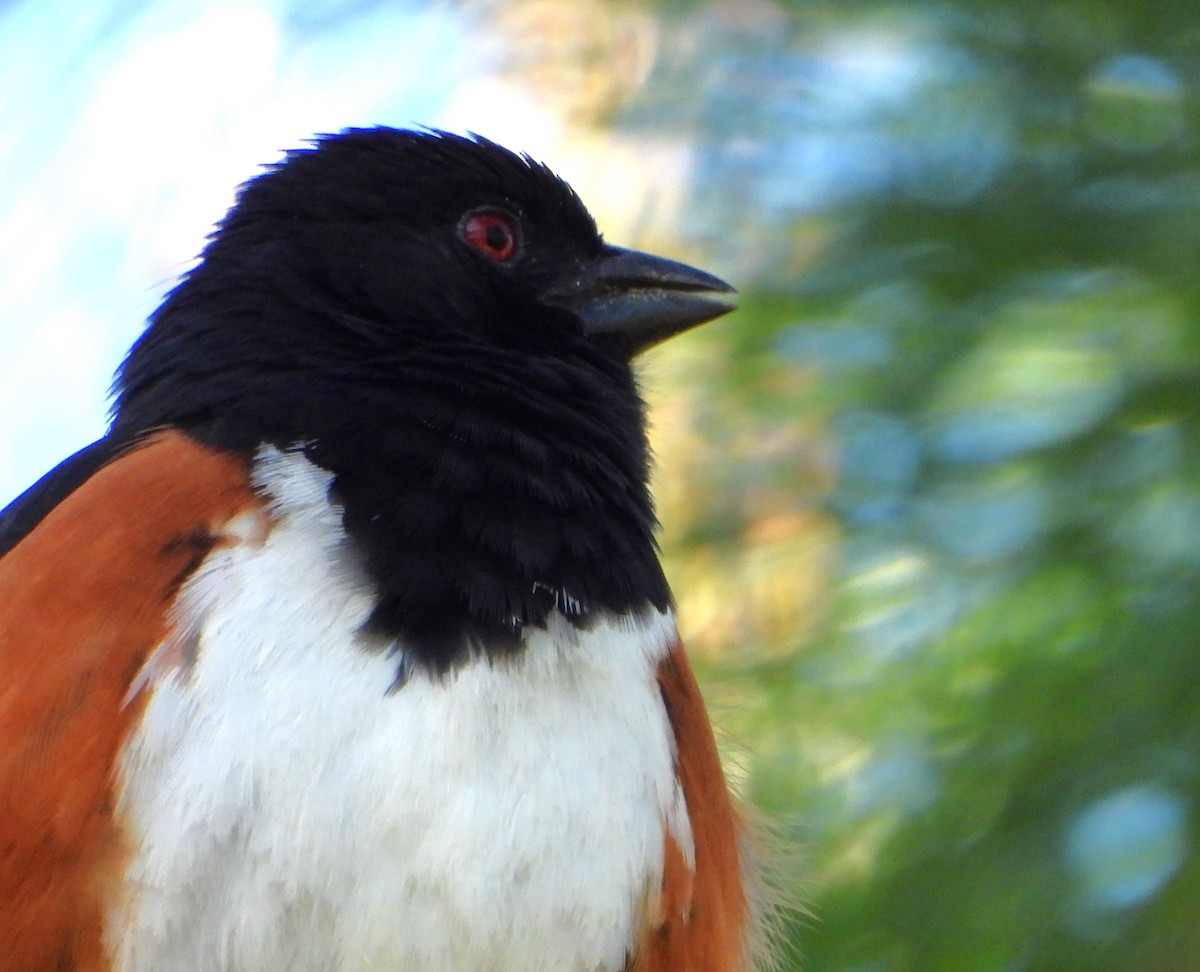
x=85 y=599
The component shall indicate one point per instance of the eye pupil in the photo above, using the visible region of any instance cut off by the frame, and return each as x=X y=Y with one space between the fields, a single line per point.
x=493 y=232
x=497 y=238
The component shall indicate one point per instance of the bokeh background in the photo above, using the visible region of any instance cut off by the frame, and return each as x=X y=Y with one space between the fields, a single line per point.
x=930 y=498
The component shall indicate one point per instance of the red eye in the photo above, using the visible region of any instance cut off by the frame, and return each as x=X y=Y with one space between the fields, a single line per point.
x=492 y=232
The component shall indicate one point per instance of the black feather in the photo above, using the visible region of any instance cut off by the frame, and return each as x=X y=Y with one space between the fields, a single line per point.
x=491 y=460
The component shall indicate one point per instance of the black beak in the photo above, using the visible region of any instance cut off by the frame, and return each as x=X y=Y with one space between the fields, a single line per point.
x=634 y=300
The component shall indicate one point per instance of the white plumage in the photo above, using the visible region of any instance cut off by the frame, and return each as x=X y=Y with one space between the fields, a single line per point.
x=289 y=812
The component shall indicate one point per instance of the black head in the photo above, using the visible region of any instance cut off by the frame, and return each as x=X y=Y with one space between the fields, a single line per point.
x=437 y=321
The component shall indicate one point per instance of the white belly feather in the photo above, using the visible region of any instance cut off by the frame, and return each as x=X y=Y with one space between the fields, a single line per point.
x=288 y=812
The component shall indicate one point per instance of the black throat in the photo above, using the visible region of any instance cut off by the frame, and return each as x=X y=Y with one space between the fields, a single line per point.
x=491 y=493
x=482 y=488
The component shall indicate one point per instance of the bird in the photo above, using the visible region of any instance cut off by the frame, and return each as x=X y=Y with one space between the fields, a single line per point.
x=348 y=646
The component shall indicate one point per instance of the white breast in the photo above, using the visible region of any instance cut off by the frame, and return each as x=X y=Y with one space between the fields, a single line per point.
x=288 y=812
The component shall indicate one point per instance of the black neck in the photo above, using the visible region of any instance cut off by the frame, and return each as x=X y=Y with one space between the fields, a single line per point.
x=483 y=488
x=486 y=500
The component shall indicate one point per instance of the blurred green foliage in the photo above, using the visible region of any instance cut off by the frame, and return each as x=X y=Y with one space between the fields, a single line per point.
x=938 y=533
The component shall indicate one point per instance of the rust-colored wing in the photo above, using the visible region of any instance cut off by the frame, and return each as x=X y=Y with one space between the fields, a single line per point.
x=703 y=920
x=83 y=601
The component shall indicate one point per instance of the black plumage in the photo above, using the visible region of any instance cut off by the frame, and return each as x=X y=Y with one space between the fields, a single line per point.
x=480 y=415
